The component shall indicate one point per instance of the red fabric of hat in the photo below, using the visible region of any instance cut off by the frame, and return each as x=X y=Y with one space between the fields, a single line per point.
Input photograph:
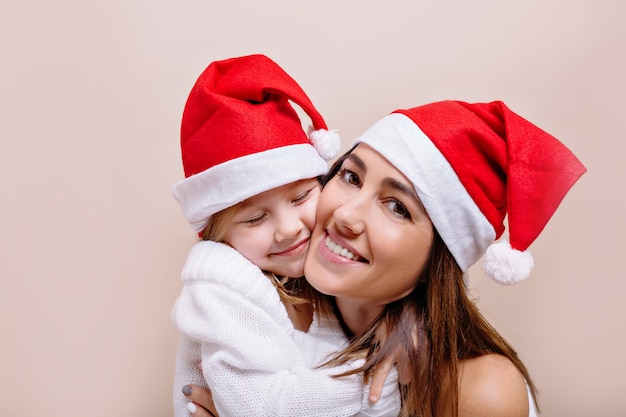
x=474 y=164
x=241 y=106
x=240 y=136
x=506 y=163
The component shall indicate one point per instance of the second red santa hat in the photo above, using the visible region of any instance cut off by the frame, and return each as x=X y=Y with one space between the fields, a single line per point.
x=473 y=164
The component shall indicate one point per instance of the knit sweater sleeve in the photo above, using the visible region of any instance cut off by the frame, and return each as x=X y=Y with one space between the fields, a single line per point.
x=250 y=361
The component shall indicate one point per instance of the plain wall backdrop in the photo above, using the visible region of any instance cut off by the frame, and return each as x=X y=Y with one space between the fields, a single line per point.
x=92 y=242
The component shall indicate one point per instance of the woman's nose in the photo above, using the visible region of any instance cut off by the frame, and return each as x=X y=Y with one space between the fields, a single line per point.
x=349 y=216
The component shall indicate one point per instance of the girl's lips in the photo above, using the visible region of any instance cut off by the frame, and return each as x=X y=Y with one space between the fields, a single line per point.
x=294 y=250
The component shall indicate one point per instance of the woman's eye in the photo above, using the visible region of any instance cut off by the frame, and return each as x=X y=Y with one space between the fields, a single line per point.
x=398 y=209
x=349 y=177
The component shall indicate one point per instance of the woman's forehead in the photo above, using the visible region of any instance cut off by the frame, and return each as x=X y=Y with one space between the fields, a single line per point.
x=371 y=161
x=369 y=158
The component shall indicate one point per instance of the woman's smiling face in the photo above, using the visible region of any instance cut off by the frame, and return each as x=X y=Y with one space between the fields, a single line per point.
x=372 y=238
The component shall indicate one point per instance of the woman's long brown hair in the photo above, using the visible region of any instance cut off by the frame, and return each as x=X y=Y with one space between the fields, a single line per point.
x=437 y=325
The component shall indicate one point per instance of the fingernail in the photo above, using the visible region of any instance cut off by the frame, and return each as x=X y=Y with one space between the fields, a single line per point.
x=191 y=407
x=187 y=390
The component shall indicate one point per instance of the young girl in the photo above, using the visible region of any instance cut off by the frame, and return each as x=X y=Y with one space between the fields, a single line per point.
x=251 y=191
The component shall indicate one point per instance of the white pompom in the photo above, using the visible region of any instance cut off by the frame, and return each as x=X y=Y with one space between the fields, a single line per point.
x=326 y=142
x=506 y=265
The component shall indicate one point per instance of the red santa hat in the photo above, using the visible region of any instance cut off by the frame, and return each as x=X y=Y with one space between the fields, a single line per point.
x=240 y=136
x=472 y=165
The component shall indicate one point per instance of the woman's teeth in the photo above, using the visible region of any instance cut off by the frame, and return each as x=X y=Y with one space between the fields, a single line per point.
x=340 y=250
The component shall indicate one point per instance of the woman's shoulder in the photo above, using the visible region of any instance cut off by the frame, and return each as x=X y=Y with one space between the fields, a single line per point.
x=491 y=385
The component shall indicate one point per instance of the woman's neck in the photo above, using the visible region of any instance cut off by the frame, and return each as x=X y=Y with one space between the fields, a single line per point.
x=357 y=315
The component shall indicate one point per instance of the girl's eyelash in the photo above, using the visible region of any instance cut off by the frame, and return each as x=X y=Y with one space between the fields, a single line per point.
x=302 y=196
x=255 y=220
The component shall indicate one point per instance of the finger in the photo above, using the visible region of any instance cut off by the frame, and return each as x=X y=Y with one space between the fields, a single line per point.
x=198 y=411
x=200 y=396
x=405 y=374
x=378 y=379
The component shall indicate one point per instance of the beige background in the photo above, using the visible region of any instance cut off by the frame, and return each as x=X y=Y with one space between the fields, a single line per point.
x=92 y=243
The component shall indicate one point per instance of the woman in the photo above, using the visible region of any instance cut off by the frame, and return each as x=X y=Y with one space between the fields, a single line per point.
x=420 y=198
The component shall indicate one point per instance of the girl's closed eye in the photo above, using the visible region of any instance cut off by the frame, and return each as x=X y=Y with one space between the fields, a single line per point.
x=301 y=198
x=256 y=219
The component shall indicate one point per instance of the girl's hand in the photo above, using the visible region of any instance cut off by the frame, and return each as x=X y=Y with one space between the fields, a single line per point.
x=399 y=358
x=382 y=370
x=201 y=404
x=378 y=378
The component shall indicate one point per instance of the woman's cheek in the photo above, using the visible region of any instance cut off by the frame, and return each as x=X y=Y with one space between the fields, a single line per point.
x=329 y=199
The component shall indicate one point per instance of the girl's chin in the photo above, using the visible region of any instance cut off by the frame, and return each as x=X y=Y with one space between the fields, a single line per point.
x=291 y=273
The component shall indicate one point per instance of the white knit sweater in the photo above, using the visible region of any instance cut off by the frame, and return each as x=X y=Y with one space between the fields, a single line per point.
x=231 y=320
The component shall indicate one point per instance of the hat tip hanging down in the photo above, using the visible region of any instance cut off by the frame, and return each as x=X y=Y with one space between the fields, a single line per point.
x=506 y=265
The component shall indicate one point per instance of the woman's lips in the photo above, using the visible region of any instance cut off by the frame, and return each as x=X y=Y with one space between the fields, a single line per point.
x=339 y=252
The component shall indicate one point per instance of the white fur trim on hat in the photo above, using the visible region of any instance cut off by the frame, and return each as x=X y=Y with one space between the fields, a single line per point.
x=506 y=265
x=327 y=142
x=465 y=230
x=224 y=185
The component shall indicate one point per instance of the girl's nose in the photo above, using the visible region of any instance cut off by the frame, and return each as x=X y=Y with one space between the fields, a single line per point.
x=288 y=227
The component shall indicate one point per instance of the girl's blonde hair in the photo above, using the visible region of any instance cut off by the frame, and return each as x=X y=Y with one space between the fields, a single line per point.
x=290 y=289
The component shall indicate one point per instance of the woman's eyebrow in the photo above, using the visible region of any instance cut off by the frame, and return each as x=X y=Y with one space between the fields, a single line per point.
x=404 y=189
x=409 y=191
x=357 y=161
